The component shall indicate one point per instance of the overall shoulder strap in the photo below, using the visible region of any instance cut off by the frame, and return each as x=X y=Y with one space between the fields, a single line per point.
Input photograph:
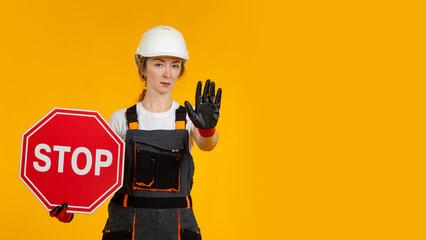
x=132 y=117
x=181 y=118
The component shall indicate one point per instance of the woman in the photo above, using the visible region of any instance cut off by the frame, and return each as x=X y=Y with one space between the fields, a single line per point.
x=155 y=201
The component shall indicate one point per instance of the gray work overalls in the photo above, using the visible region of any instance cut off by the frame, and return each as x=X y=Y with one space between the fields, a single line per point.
x=155 y=202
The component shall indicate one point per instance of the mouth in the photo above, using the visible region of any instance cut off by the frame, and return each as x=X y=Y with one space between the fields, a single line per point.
x=165 y=84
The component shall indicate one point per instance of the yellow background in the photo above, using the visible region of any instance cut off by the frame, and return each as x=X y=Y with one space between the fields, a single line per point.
x=322 y=123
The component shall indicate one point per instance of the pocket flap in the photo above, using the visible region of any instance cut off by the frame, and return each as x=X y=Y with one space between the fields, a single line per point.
x=170 y=144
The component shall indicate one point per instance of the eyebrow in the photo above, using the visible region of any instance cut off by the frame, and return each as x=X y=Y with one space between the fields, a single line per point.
x=159 y=59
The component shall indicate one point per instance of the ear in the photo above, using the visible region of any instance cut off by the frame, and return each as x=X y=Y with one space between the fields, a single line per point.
x=142 y=71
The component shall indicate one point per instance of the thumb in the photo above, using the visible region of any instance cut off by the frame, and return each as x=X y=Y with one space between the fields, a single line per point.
x=190 y=110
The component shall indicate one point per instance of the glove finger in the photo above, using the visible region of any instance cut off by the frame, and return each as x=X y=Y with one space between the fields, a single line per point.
x=72 y=217
x=206 y=91
x=190 y=110
x=62 y=211
x=218 y=98
x=198 y=96
x=212 y=92
x=67 y=218
x=54 y=212
x=61 y=215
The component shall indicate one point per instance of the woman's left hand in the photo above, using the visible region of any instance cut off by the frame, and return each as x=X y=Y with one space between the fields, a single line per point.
x=206 y=113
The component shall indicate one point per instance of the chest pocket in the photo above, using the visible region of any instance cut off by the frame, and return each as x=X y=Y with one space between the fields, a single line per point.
x=157 y=164
x=157 y=159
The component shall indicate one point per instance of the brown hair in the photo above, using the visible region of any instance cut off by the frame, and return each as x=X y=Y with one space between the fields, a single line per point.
x=141 y=66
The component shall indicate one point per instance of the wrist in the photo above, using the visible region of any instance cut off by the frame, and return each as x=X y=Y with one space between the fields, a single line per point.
x=206 y=132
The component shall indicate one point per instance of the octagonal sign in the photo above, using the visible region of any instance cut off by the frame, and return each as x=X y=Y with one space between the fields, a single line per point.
x=72 y=156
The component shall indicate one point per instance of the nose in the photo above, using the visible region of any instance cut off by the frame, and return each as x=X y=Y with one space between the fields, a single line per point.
x=166 y=73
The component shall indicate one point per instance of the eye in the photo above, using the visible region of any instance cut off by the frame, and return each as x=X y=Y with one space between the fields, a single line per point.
x=176 y=66
x=158 y=65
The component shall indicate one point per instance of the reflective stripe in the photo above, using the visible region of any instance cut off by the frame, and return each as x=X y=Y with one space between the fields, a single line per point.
x=134 y=222
x=179 y=223
x=188 y=203
x=125 y=200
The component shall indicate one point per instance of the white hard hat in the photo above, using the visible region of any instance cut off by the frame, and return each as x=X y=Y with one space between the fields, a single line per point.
x=162 y=41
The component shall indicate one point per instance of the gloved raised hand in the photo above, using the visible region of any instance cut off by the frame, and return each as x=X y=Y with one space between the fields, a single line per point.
x=206 y=113
x=60 y=212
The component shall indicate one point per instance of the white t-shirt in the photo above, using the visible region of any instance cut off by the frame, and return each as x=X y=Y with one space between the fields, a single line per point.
x=150 y=121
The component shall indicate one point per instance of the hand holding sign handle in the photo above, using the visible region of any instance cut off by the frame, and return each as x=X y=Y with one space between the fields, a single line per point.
x=60 y=212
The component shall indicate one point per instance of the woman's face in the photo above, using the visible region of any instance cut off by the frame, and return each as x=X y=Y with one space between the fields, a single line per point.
x=161 y=73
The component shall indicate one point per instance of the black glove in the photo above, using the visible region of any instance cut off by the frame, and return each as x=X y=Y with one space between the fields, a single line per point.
x=60 y=212
x=206 y=113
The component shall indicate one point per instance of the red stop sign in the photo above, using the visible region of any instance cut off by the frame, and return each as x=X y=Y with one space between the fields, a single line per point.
x=72 y=156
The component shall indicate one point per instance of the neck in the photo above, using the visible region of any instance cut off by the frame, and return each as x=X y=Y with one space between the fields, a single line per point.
x=157 y=102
